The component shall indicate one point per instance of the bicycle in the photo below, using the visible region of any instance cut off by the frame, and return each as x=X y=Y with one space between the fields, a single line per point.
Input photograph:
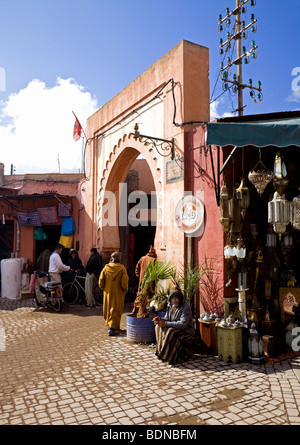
x=73 y=290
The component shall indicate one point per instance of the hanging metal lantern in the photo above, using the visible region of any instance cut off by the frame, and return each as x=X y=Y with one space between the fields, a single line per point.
x=296 y=213
x=260 y=177
x=240 y=248
x=225 y=208
x=279 y=213
x=242 y=193
x=280 y=179
x=229 y=249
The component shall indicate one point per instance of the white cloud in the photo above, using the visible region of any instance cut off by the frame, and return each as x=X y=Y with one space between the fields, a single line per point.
x=36 y=127
x=294 y=96
x=295 y=85
x=215 y=113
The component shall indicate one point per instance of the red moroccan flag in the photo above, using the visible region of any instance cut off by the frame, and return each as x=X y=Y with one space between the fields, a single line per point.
x=77 y=129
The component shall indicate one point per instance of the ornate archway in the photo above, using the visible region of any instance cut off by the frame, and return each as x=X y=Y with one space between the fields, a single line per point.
x=118 y=163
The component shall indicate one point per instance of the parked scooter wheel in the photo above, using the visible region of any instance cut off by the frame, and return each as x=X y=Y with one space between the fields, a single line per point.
x=56 y=304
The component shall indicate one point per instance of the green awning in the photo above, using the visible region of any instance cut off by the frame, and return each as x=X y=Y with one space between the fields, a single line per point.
x=278 y=132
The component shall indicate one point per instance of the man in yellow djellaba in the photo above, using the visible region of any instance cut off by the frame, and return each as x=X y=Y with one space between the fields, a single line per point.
x=114 y=283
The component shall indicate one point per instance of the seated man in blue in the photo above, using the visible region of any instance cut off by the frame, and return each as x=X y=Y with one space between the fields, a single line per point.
x=175 y=330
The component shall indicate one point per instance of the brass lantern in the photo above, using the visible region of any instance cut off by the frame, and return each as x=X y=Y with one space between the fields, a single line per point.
x=242 y=193
x=229 y=249
x=260 y=177
x=279 y=213
x=225 y=208
x=240 y=249
x=280 y=180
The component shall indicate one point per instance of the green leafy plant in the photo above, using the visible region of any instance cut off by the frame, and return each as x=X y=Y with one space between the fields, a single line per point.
x=161 y=298
x=189 y=279
x=156 y=271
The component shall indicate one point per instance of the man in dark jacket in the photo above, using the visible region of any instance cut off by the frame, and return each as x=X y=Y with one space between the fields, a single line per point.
x=93 y=269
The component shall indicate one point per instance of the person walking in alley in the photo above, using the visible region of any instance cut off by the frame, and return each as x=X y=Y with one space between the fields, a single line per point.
x=114 y=283
x=140 y=303
x=93 y=269
x=56 y=266
x=42 y=264
x=142 y=264
x=75 y=264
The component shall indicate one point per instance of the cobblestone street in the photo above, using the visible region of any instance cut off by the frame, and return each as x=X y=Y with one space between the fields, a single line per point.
x=63 y=369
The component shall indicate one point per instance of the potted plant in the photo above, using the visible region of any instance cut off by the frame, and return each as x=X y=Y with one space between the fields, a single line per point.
x=161 y=298
x=189 y=279
x=141 y=328
x=155 y=272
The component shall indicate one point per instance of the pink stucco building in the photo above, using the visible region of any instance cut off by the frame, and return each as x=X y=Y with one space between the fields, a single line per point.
x=169 y=101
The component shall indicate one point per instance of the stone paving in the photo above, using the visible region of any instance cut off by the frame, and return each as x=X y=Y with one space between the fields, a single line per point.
x=63 y=369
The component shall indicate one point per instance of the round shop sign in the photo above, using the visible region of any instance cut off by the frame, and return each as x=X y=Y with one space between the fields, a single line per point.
x=189 y=214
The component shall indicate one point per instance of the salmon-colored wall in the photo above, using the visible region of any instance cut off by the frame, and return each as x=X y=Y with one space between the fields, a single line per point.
x=210 y=245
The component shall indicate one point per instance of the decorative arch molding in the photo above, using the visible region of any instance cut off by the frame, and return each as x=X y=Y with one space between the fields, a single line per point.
x=119 y=161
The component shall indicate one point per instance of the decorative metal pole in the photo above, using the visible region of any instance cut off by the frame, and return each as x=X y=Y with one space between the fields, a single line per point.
x=238 y=32
x=239 y=54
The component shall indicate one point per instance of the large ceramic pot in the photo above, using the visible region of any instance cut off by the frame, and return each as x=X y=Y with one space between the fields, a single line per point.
x=140 y=330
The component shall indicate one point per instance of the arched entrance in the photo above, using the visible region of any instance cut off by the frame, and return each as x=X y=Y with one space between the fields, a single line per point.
x=128 y=200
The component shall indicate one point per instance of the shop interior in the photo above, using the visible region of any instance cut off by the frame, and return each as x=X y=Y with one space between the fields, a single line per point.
x=260 y=217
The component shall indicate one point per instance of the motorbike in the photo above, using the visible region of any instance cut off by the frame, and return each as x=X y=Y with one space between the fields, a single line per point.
x=52 y=293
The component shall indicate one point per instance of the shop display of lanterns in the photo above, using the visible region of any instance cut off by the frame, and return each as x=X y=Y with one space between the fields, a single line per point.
x=279 y=213
x=280 y=179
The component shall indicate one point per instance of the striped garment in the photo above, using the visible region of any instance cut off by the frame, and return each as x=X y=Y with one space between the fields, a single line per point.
x=172 y=345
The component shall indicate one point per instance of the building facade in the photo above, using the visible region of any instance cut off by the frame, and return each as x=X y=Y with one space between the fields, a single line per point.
x=148 y=120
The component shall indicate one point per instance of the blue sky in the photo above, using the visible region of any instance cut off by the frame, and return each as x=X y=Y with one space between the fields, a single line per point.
x=79 y=54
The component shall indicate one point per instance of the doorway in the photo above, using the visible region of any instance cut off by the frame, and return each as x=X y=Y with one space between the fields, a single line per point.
x=136 y=239
x=6 y=239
